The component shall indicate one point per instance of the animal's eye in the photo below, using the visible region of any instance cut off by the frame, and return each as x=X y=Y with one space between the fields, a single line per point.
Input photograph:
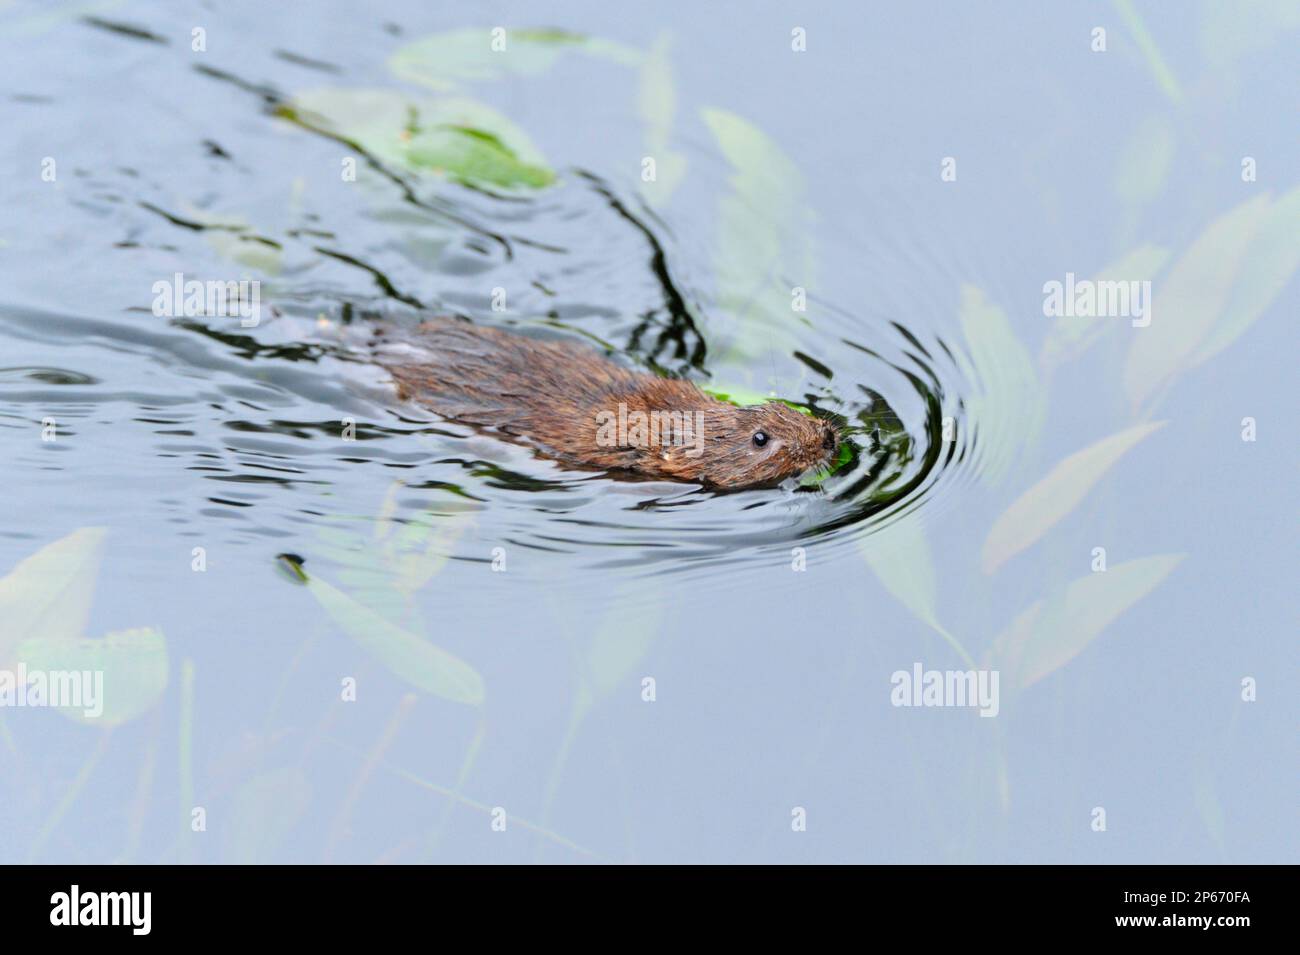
x=760 y=438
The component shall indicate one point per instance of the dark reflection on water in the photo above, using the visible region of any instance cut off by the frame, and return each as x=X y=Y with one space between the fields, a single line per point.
x=923 y=337
x=585 y=257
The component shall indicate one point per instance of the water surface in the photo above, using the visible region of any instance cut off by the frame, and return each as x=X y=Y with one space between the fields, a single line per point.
x=863 y=227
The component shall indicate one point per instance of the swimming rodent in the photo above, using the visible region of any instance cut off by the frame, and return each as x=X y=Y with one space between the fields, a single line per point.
x=579 y=407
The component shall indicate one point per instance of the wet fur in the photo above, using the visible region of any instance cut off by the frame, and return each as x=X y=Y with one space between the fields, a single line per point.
x=549 y=393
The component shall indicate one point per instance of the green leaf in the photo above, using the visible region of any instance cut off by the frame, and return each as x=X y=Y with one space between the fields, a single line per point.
x=422 y=546
x=1071 y=335
x=133 y=664
x=233 y=238
x=473 y=156
x=1191 y=299
x=1229 y=32
x=657 y=101
x=1269 y=264
x=418 y=662
x=1160 y=71
x=1206 y=797
x=47 y=595
x=1009 y=405
x=899 y=554
x=456 y=137
x=444 y=61
x=1049 y=635
x=621 y=642
x=266 y=810
x=764 y=245
x=1144 y=162
x=1041 y=507
x=737 y=395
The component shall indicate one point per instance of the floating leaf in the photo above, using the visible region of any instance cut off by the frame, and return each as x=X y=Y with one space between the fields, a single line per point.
x=1268 y=266
x=457 y=137
x=266 y=810
x=1071 y=335
x=1047 y=636
x=418 y=662
x=1189 y=301
x=473 y=156
x=899 y=554
x=737 y=395
x=47 y=595
x=133 y=664
x=764 y=244
x=1009 y=407
x=1041 y=507
x=291 y=565
x=444 y=61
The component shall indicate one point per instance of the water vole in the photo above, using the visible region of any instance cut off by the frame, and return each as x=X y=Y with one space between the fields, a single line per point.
x=579 y=407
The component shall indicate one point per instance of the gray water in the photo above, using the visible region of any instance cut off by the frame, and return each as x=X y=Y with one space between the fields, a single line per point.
x=495 y=658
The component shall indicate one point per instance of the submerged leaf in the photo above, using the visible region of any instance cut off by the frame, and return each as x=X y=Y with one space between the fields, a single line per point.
x=621 y=641
x=446 y=60
x=424 y=545
x=266 y=810
x=1269 y=264
x=1160 y=71
x=414 y=660
x=657 y=101
x=1039 y=509
x=1229 y=32
x=47 y=595
x=1049 y=635
x=233 y=238
x=764 y=244
x=899 y=554
x=1010 y=406
x=133 y=664
x=1190 y=300
x=1144 y=162
x=1071 y=335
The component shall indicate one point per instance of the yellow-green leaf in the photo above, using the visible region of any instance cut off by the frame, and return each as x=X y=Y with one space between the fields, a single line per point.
x=1039 y=509
x=657 y=101
x=1050 y=634
x=418 y=662
x=1269 y=264
x=48 y=594
x=266 y=810
x=1190 y=300
x=1071 y=335
x=1009 y=405
x=899 y=554
x=1144 y=162
x=128 y=667
x=764 y=246
x=444 y=61
x=620 y=643
x=452 y=136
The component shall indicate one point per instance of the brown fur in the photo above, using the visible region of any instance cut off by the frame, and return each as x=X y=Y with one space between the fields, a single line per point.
x=552 y=394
